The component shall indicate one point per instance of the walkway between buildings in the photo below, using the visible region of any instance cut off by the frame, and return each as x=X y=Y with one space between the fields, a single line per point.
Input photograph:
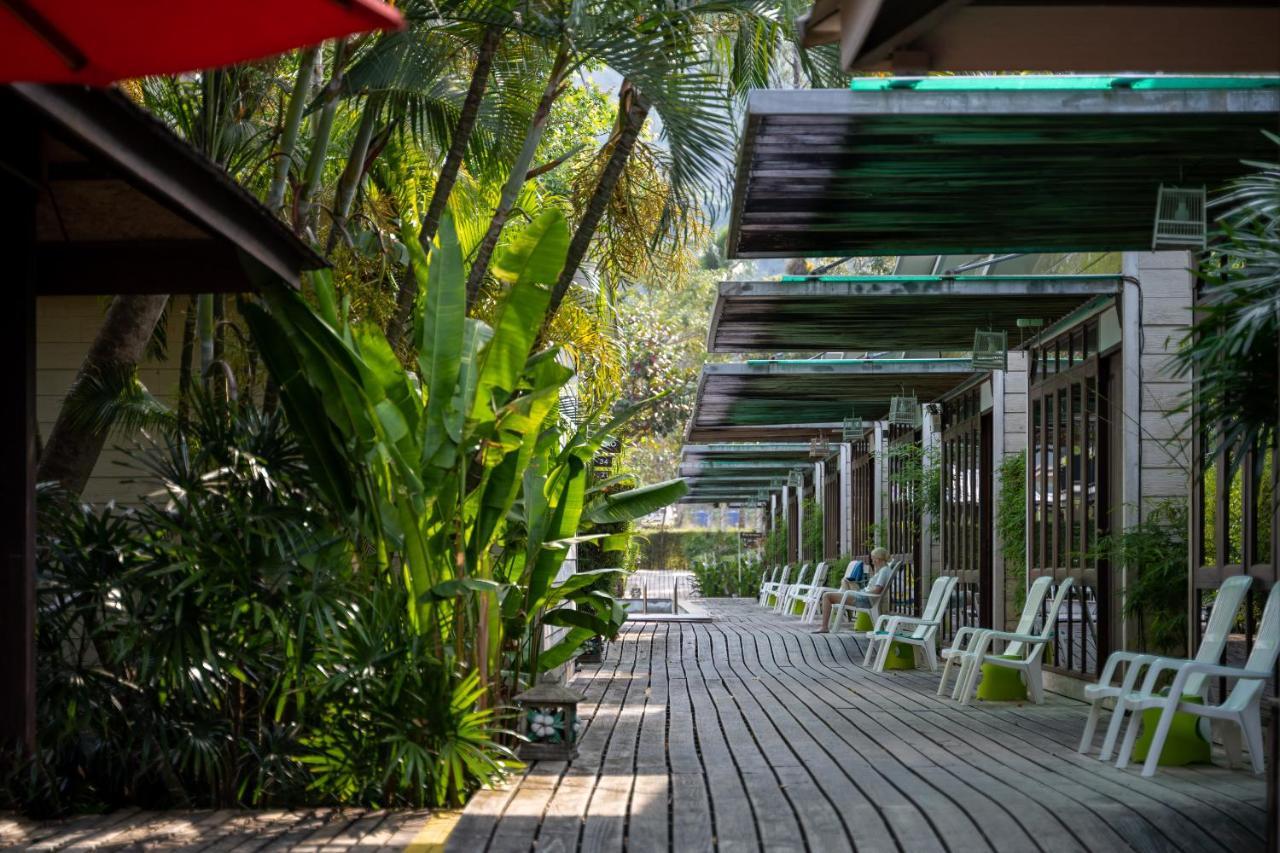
x=751 y=732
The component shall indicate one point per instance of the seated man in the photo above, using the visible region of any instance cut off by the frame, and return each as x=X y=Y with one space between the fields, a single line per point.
x=879 y=562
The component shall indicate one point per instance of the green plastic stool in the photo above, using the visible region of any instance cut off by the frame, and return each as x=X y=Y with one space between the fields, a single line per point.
x=1184 y=745
x=1001 y=684
x=797 y=608
x=863 y=621
x=901 y=656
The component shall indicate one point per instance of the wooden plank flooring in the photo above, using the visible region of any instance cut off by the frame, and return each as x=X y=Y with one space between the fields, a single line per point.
x=752 y=733
x=312 y=830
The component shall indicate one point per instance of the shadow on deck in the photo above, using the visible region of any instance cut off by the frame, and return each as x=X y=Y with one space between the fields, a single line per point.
x=751 y=732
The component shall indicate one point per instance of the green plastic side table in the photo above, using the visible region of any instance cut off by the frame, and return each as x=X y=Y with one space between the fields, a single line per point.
x=1184 y=745
x=863 y=622
x=1001 y=684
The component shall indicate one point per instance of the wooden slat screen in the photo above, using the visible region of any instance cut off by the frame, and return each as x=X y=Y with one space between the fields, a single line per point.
x=966 y=489
x=1070 y=473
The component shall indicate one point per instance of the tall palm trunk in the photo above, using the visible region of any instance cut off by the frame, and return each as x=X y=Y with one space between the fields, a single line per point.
x=313 y=177
x=292 y=124
x=462 y=132
x=633 y=109
x=357 y=164
x=73 y=449
x=518 y=175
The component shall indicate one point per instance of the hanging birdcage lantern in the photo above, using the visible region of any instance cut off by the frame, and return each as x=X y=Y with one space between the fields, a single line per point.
x=819 y=448
x=796 y=478
x=1180 y=218
x=904 y=411
x=990 y=350
x=851 y=429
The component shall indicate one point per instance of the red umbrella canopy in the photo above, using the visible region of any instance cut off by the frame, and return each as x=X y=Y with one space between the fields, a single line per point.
x=97 y=42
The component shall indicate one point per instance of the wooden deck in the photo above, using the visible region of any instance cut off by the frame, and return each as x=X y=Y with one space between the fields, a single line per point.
x=753 y=733
x=317 y=830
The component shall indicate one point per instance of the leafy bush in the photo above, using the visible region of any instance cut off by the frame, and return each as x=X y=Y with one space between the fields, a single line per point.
x=226 y=644
x=1011 y=526
x=1154 y=552
x=728 y=578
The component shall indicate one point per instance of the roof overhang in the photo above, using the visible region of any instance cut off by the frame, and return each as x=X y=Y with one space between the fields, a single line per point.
x=1062 y=36
x=952 y=165
x=873 y=313
x=765 y=394
x=127 y=207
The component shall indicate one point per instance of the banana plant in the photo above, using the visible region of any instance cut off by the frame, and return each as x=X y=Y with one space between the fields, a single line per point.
x=435 y=461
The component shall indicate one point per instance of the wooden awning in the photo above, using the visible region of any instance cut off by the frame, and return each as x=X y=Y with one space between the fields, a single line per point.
x=126 y=207
x=1061 y=36
x=877 y=313
x=961 y=165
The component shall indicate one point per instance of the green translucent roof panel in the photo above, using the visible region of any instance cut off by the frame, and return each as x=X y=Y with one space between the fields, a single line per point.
x=876 y=313
x=990 y=165
x=766 y=393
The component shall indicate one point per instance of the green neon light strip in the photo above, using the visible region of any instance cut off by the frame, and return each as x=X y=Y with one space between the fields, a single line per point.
x=1057 y=83
x=934 y=279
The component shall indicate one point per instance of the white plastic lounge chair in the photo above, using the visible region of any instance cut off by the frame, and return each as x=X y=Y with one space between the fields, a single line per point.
x=920 y=632
x=766 y=581
x=801 y=592
x=780 y=596
x=1241 y=706
x=1027 y=647
x=853 y=602
x=1230 y=594
x=813 y=601
x=779 y=578
x=774 y=595
x=966 y=638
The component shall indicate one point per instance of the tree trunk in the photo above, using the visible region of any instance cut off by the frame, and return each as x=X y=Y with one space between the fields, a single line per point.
x=72 y=451
x=320 y=145
x=633 y=109
x=357 y=163
x=448 y=174
x=292 y=123
x=188 y=353
x=517 y=177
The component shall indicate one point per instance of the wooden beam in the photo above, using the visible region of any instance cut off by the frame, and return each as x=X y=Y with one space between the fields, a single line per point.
x=19 y=150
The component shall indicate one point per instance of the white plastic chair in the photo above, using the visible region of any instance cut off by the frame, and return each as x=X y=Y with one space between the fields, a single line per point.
x=1028 y=647
x=780 y=595
x=1242 y=706
x=1216 y=633
x=768 y=589
x=813 y=602
x=920 y=632
x=802 y=592
x=853 y=602
x=766 y=583
x=966 y=638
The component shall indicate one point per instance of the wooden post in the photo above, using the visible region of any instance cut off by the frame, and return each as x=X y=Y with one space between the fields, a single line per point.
x=20 y=151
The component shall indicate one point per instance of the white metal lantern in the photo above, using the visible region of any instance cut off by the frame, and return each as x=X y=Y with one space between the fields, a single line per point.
x=904 y=411
x=990 y=350
x=851 y=429
x=796 y=477
x=819 y=448
x=1180 y=218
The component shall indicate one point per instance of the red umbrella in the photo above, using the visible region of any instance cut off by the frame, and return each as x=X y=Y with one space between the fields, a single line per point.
x=96 y=42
